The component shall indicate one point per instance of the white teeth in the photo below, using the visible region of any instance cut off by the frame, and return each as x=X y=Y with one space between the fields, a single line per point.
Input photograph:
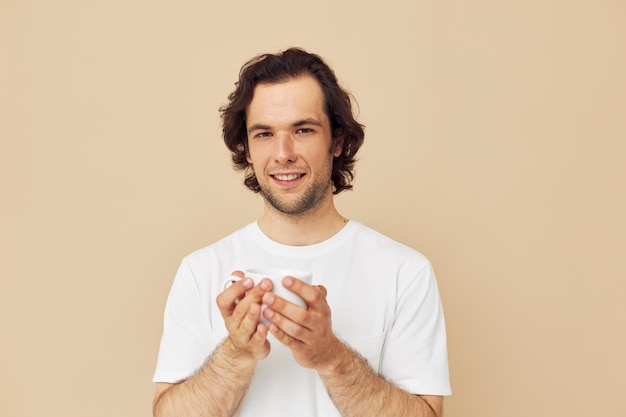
x=289 y=177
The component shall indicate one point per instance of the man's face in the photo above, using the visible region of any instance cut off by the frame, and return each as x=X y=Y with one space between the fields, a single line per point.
x=289 y=144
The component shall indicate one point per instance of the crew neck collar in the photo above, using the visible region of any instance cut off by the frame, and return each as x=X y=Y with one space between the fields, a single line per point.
x=298 y=251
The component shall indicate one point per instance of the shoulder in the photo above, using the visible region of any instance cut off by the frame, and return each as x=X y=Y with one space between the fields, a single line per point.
x=373 y=240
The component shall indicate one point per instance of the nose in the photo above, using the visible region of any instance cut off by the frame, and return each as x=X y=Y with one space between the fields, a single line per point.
x=284 y=149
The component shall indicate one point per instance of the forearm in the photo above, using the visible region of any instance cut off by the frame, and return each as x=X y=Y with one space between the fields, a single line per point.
x=359 y=392
x=214 y=391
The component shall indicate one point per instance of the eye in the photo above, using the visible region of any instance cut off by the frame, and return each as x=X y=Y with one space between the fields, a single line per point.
x=262 y=135
x=304 y=130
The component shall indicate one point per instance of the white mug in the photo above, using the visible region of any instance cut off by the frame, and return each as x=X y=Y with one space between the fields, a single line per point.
x=276 y=275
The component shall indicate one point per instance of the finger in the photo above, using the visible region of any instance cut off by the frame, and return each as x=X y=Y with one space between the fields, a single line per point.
x=256 y=293
x=279 y=334
x=235 y=276
x=253 y=296
x=259 y=339
x=290 y=319
x=227 y=299
x=322 y=289
x=260 y=335
x=249 y=323
x=284 y=338
x=313 y=296
x=292 y=312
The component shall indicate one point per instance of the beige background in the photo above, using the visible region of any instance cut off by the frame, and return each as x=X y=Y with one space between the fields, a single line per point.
x=496 y=145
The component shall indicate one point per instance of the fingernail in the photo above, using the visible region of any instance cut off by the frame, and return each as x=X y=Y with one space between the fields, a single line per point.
x=248 y=283
x=265 y=285
x=268 y=313
x=288 y=282
x=268 y=299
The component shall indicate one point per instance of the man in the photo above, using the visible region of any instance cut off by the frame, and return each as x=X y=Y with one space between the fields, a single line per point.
x=290 y=128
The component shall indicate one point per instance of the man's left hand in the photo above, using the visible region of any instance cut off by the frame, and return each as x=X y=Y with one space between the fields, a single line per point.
x=307 y=332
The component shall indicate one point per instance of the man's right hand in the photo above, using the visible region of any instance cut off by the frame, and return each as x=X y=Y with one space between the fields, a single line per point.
x=232 y=364
x=240 y=306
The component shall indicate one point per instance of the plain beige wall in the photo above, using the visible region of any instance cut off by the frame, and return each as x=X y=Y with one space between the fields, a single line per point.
x=496 y=145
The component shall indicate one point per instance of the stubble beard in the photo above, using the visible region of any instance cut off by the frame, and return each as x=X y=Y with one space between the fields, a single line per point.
x=312 y=197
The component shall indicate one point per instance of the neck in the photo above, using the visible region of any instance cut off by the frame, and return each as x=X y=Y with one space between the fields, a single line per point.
x=303 y=229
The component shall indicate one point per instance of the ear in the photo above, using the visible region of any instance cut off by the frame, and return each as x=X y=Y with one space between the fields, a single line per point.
x=338 y=140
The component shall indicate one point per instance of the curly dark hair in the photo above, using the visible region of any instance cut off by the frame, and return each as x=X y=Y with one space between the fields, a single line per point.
x=281 y=67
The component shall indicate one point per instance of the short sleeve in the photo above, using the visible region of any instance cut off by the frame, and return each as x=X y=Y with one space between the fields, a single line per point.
x=186 y=341
x=415 y=354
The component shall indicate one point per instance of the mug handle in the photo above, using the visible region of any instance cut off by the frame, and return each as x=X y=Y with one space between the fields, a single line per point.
x=230 y=281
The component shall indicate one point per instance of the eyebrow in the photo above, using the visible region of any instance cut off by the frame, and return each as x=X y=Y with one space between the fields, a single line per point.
x=309 y=121
x=257 y=126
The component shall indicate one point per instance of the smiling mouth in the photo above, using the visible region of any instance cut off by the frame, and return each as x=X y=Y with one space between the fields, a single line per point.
x=287 y=177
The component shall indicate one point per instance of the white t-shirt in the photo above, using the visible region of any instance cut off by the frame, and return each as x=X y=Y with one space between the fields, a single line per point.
x=384 y=302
